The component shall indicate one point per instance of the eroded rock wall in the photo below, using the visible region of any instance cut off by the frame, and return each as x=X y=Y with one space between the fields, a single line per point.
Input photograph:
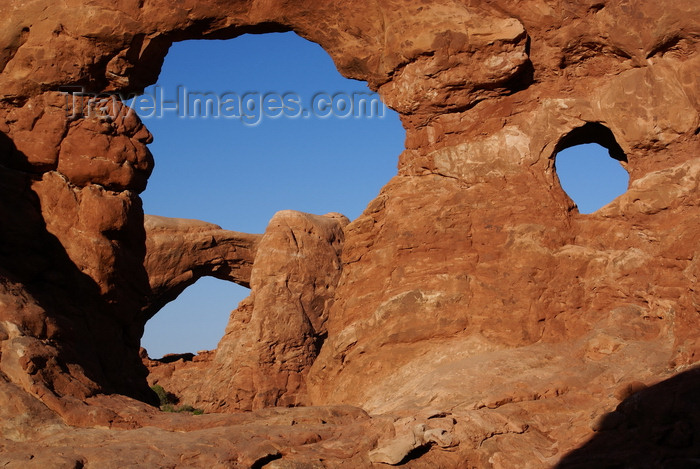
x=477 y=310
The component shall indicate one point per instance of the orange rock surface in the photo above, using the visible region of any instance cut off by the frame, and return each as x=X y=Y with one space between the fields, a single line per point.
x=470 y=317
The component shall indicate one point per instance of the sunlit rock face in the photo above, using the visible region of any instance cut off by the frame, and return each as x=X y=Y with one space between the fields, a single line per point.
x=469 y=314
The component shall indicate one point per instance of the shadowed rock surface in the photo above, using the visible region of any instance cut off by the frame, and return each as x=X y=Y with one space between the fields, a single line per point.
x=470 y=317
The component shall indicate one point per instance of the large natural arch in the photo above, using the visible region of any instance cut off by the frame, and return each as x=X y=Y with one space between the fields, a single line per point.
x=239 y=173
x=476 y=317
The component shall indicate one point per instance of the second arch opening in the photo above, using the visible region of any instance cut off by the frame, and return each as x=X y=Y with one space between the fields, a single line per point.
x=590 y=165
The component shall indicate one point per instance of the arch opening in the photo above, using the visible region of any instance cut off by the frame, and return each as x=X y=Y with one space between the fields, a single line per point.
x=186 y=325
x=224 y=170
x=590 y=165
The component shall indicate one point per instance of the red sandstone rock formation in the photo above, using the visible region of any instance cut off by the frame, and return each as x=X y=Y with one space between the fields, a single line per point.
x=274 y=336
x=477 y=317
x=179 y=252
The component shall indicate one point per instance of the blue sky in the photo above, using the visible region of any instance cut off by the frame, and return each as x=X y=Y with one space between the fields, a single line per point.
x=226 y=171
x=236 y=175
x=590 y=176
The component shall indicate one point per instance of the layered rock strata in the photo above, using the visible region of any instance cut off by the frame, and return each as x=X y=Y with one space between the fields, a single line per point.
x=472 y=313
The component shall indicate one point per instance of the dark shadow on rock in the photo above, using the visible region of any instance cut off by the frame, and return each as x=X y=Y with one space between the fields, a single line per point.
x=592 y=132
x=173 y=357
x=83 y=327
x=657 y=427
